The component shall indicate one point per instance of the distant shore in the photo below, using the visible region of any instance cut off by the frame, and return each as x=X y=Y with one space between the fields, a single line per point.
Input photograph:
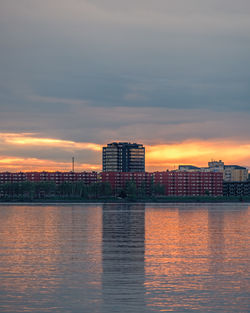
x=204 y=199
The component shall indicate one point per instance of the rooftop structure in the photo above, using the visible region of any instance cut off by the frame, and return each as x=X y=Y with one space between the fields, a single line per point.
x=189 y=168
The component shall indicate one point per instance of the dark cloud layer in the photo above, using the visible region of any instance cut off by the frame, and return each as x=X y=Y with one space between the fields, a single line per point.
x=118 y=70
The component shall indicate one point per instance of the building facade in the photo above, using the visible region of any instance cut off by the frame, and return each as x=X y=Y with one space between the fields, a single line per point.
x=56 y=177
x=118 y=180
x=234 y=189
x=231 y=173
x=191 y=183
x=123 y=157
x=235 y=173
x=173 y=183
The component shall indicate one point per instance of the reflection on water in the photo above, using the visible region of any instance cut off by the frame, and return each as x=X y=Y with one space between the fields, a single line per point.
x=50 y=258
x=125 y=258
x=197 y=258
x=216 y=241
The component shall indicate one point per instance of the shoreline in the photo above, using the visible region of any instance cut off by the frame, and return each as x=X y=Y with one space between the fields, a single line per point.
x=127 y=201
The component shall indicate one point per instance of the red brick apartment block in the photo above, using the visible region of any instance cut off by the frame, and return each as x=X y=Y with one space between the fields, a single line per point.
x=175 y=183
x=57 y=177
x=190 y=183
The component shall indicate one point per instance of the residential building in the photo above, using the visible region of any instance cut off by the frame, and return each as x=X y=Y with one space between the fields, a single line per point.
x=195 y=183
x=174 y=183
x=56 y=177
x=235 y=173
x=118 y=180
x=123 y=157
x=236 y=188
x=230 y=172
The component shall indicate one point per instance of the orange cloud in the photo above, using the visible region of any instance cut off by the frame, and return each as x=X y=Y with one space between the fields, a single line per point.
x=31 y=140
x=158 y=157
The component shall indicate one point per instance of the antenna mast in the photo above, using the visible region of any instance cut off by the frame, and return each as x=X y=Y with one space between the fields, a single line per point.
x=73 y=164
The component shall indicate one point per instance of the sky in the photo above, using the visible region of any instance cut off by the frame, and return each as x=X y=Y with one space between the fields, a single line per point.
x=76 y=75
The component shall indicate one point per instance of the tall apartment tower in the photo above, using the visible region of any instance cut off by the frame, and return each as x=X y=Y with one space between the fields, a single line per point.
x=123 y=157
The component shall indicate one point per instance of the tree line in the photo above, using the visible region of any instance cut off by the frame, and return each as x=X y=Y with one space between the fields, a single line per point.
x=78 y=190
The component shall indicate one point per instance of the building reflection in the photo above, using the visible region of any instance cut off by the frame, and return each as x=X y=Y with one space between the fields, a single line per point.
x=216 y=240
x=123 y=253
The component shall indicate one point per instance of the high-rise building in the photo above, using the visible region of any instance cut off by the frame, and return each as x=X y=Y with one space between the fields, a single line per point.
x=123 y=157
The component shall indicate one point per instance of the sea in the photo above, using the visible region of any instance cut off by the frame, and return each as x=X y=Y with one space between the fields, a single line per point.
x=126 y=258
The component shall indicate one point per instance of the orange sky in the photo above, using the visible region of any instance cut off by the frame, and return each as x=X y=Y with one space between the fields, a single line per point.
x=198 y=152
x=158 y=157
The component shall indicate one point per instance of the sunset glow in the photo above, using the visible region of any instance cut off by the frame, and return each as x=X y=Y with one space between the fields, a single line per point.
x=197 y=152
x=124 y=156
x=14 y=164
x=158 y=157
x=30 y=139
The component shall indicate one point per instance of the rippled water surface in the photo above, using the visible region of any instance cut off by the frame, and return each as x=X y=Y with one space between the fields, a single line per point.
x=125 y=258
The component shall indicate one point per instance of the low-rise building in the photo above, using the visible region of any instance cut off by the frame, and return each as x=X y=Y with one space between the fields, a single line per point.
x=56 y=177
x=194 y=183
x=230 y=172
x=175 y=183
x=235 y=173
x=118 y=180
x=233 y=189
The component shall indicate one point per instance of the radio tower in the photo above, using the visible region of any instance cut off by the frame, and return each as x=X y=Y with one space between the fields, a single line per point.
x=73 y=164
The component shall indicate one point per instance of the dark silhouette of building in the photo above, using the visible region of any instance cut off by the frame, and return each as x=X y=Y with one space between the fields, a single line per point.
x=232 y=189
x=123 y=157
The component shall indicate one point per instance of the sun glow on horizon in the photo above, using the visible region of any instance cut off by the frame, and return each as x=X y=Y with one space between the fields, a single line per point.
x=13 y=164
x=159 y=157
x=198 y=152
x=30 y=139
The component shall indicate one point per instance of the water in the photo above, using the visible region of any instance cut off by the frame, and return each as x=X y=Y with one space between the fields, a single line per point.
x=125 y=258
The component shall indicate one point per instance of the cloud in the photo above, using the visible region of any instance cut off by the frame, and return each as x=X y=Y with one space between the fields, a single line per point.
x=149 y=125
x=186 y=54
x=158 y=156
x=135 y=97
x=54 y=100
x=214 y=15
x=27 y=139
